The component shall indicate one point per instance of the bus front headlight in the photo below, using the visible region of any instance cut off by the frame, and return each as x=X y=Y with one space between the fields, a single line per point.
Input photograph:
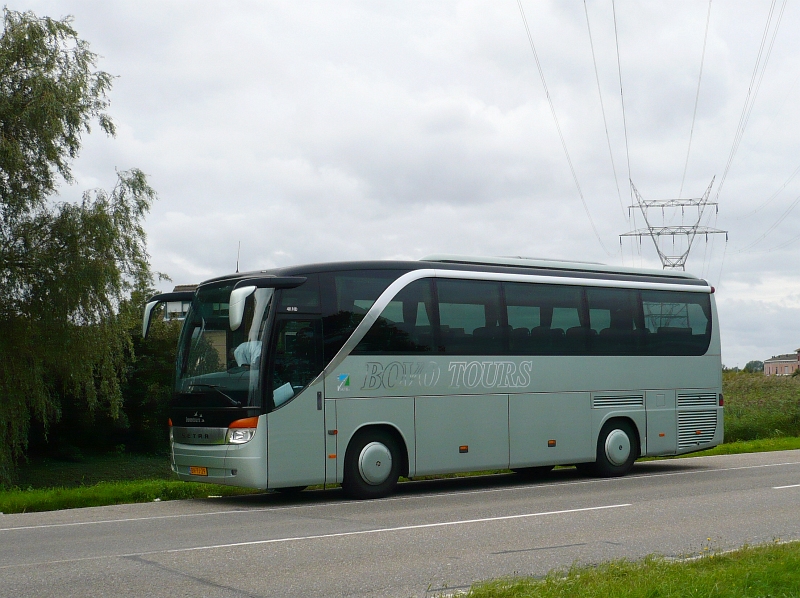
x=241 y=435
x=242 y=430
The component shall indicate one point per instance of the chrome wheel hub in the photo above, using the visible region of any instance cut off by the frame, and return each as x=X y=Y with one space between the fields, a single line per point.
x=618 y=447
x=375 y=463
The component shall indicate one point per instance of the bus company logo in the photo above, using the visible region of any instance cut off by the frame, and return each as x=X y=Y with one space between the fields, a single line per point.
x=197 y=419
x=194 y=436
x=490 y=374
x=401 y=374
x=344 y=382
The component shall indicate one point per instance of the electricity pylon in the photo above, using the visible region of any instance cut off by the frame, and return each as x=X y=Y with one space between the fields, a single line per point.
x=677 y=257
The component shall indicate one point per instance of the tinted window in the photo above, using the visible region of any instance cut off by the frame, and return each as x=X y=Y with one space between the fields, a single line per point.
x=545 y=319
x=347 y=297
x=404 y=326
x=304 y=298
x=677 y=323
x=615 y=321
x=470 y=320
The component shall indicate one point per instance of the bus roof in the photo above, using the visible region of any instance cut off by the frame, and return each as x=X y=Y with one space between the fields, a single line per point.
x=547 y=264
x=518 y=265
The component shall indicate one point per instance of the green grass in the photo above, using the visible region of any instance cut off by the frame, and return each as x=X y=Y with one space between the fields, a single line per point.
x=769 y=570
x=92 y=469
x=759 y=406
x=786 y=443
x=108 y=493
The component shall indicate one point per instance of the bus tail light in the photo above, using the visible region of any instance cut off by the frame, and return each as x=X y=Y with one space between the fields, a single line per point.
x=242 y=430
x=721 y=400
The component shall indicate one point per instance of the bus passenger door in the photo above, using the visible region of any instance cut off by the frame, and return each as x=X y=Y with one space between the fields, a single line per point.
x=296 y=424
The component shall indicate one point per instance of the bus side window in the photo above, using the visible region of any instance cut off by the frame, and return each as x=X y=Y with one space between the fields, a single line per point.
x=613 y=317
x=470 y=320
x=679 y=323
x=346 y=298
x=404 y=326
x=539 y=316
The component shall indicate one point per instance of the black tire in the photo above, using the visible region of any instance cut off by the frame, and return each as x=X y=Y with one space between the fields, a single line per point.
x=291 y=489
x=366 y=472
x=617 y=449
x=534 y=473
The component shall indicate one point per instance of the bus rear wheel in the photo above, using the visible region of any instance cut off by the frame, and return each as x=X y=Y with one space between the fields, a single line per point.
x=371 y=465
x=617 y=449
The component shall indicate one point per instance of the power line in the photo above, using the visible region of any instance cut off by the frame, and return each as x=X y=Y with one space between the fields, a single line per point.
x=752 y=90
x=696 y=98
x=773 y=196
x=784 y=245
x=558 y=127
x=625 y=128
x=773 y=227
x=622 y=95
x=603 y=109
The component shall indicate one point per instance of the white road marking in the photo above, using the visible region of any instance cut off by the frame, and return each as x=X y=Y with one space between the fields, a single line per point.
x=782 y=487
x=397 y=498
x=401 y=528
x=380 y=530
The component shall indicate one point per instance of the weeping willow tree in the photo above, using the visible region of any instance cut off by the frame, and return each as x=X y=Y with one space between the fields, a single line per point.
x=65 y=267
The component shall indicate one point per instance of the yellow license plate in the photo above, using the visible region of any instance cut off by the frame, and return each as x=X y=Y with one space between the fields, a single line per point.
x=198 y=470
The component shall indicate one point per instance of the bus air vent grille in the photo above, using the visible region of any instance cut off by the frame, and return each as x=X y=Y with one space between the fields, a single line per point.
x=706 y=399
x=696 y=427
x=617 y=401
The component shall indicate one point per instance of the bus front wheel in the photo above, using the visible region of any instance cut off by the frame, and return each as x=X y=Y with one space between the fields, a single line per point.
x=617 y=449
x=371 y=465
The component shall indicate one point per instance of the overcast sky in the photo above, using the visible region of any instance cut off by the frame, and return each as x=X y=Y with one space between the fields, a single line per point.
x=316 y=131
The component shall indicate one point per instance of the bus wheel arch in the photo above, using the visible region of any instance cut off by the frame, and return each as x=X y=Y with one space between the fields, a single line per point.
x=618 y=446
x=366 y=474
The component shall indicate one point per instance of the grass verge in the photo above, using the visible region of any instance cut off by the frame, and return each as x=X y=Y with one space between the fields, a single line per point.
x=109 y=493
x=768 y=570
x=762 y=445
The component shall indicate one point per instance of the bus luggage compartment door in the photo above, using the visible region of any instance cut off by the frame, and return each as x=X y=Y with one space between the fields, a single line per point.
x=461 y=433
x=550 y=428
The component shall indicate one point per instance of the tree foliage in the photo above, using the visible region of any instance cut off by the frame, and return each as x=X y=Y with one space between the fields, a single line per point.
x=65 y=268
x=754 y=366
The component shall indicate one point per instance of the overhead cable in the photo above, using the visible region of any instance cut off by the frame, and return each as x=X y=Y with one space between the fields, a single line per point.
x=558 y=127
x=752 y=91
x=622 y=98
x=603 y=110
x=773 y=227
x=696 y=98
x=773 y=196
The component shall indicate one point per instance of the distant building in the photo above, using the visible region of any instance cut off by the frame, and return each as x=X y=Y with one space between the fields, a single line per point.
x=176 y=310
x=782 y=365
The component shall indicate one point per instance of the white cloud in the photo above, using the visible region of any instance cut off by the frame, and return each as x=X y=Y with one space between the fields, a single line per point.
x=315 y=131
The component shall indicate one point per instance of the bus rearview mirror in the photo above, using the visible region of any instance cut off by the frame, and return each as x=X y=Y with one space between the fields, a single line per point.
x=236 y=305
x=148 y=316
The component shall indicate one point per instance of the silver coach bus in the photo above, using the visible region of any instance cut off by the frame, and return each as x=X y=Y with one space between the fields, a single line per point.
x=357 y=373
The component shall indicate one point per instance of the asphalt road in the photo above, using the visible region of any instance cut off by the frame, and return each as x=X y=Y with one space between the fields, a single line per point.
x=428 y=539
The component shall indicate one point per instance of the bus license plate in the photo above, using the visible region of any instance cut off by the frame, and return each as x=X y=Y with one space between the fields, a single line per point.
x=198 y=470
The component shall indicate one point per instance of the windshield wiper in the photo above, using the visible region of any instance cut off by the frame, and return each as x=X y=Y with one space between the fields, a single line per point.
x=215 y=388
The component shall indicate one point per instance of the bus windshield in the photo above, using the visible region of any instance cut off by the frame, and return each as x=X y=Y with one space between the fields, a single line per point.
x=218 y=367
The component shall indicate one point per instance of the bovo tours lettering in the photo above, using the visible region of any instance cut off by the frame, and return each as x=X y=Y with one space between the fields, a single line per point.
x=490 y=374
x=423 y=374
